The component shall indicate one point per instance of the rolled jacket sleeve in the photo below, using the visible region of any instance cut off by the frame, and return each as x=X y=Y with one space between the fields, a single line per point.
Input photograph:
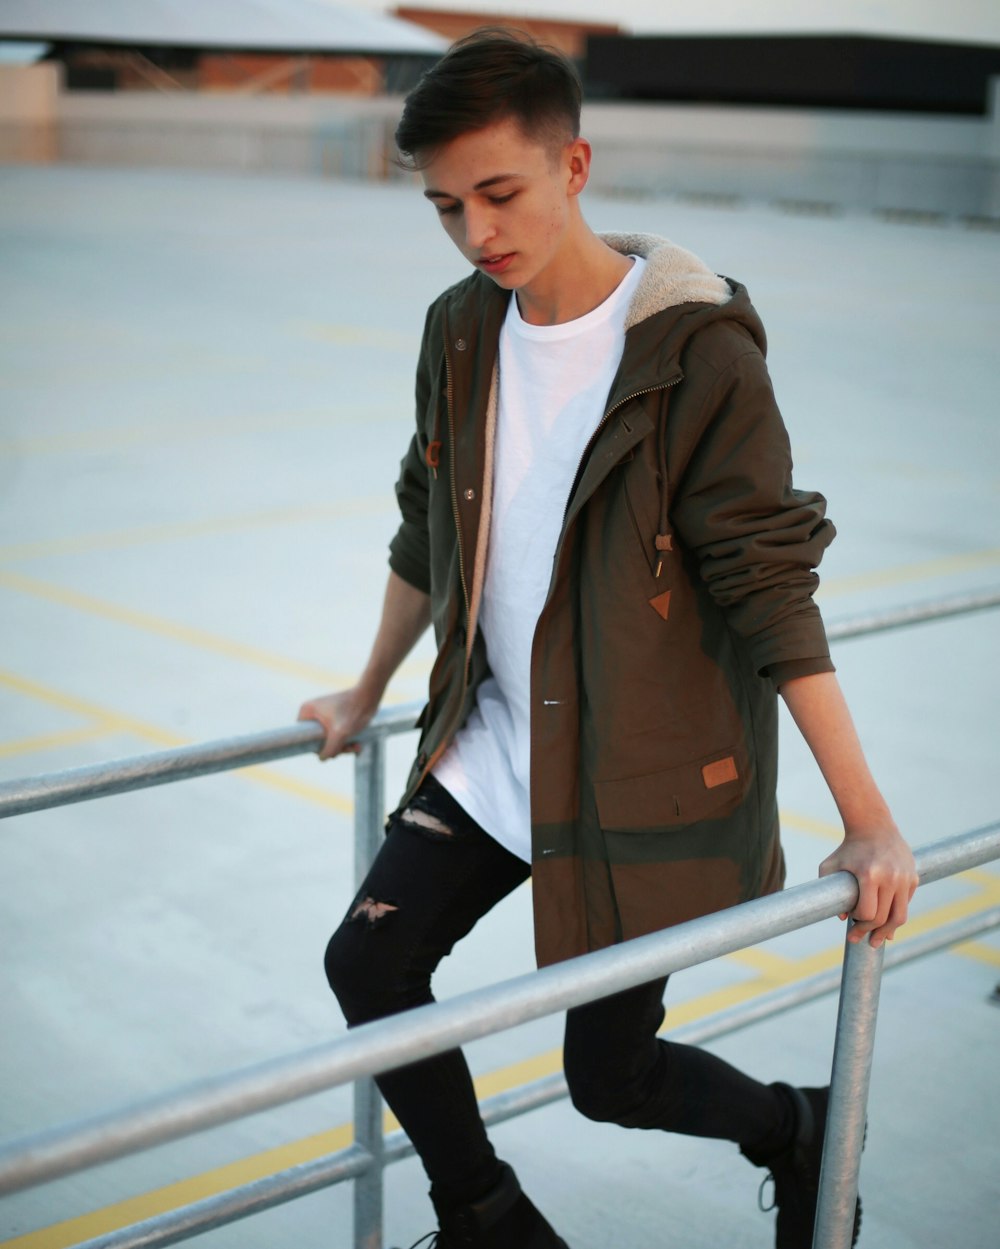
x=409 y=550
x=757 y=539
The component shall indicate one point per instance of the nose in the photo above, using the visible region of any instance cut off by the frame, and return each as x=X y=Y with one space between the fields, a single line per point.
x=478 y=226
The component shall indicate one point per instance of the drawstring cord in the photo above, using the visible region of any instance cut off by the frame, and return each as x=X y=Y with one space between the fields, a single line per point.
x=664 y=538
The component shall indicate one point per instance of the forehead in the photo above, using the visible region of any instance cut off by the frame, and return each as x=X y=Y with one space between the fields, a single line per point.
x=498 y=150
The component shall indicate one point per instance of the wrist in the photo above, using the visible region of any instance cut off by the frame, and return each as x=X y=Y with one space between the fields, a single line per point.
x=876 y=823
x=369 y=690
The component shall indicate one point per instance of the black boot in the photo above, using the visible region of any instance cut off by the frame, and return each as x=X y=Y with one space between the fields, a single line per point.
x=795 y=1171
x=503 y=1219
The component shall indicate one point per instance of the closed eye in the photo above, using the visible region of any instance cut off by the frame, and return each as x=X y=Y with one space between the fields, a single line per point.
x=446 y=210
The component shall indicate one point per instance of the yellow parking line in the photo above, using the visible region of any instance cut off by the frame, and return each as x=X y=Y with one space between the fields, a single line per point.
x=359 y=336
x=184 y=1192
x=265 y=775
x=52 y=741
x=808 y=824
x=978 y=950
x=175 y=632
x=143 y=534
x=243 y=1171
x=945 y=566
x=769 y=966
x=113 y=721
x=199 y=638
x=114 y=437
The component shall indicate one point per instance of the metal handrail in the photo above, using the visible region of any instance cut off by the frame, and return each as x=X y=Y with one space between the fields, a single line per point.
x=26 y=794
x=62 y=1150
x=427 y=1030
x=353 y=1162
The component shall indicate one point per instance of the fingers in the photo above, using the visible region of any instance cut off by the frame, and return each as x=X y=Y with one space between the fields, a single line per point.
x=881 y=910
x=887 y=878
x=340 y=718
x=320 y=711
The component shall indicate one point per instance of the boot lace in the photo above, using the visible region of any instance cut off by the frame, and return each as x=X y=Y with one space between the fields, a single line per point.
x=768 y=1179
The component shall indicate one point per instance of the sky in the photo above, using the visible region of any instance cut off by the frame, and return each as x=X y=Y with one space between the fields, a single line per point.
x=958 y=20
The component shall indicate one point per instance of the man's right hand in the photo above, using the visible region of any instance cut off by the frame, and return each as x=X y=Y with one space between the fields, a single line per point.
x=343 y=715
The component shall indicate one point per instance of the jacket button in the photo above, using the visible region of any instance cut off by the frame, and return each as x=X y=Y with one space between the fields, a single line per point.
x=460 y=344
x=469 y=494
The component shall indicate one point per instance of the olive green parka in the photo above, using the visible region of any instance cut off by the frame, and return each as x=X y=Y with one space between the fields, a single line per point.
x=681 y=597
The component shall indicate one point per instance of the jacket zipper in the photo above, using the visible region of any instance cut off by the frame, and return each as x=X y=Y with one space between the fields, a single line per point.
x=458 y=531
x=603 y=421
x=461 y=569
x=454 y=486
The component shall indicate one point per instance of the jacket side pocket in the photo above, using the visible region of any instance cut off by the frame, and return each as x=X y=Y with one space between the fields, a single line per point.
x=703 y=789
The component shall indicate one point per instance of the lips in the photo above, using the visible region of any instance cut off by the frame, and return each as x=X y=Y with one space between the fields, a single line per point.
x=495 y=264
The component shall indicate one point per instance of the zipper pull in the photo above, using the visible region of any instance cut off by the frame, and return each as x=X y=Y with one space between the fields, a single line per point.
x=664 y=542
x=433 y=456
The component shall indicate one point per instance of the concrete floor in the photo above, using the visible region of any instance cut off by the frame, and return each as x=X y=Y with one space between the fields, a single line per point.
x=205 y=387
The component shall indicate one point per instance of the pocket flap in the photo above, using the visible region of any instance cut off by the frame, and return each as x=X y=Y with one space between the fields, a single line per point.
x=702 y=789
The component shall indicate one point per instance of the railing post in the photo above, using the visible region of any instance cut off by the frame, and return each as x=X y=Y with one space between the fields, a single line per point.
x=845 y=1124
x=369 y=813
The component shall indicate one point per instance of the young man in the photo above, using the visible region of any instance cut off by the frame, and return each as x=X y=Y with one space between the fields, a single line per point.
x=599 y=521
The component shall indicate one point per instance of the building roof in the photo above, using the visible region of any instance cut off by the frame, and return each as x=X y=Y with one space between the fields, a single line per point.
x=271 y=25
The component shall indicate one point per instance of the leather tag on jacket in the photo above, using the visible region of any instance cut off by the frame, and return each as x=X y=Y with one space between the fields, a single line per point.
x=661 y=604
x=721 y=772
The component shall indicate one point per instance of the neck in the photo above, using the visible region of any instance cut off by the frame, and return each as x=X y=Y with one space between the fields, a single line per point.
x=588 y=272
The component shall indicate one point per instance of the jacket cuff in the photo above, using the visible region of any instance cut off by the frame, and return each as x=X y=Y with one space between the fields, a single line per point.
x=788 y=669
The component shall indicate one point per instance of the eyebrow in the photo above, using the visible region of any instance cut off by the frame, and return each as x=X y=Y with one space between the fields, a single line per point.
x=430 y=193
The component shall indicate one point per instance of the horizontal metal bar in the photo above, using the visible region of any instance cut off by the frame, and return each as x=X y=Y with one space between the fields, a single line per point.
x=428 y=1030
x=285 y=1186
x=417 y=1034
x=119 y=776
x=778 y=1001
x=222 y=1209
x=37 y=793
x=553 y=1088
x=917 y=613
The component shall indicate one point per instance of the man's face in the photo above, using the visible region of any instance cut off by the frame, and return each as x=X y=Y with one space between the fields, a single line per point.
x=506 y=200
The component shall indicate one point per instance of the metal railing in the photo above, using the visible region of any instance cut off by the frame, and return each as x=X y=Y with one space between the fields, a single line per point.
x=390 y=1043
x=119 y=776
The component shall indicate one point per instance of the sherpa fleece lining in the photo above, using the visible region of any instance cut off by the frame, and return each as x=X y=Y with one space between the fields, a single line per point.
x=672 y=276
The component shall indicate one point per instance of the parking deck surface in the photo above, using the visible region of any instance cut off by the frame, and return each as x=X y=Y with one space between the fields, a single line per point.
x=205 y=389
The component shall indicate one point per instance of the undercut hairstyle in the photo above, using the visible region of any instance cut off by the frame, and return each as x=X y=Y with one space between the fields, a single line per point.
x=490 y=76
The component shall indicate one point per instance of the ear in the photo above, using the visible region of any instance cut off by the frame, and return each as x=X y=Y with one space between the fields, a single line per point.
x=577 y=156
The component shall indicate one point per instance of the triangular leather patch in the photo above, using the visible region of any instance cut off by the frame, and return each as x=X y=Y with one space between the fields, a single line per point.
x=661 y=604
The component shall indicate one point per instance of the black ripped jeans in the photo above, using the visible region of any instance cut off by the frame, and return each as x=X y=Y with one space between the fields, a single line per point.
x=426 y=890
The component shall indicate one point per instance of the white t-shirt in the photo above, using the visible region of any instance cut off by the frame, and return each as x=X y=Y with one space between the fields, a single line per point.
x=554 y=384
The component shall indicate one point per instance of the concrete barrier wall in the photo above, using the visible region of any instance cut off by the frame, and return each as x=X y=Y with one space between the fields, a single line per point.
x=307 y=135
x=884 y=162
x=825 y=160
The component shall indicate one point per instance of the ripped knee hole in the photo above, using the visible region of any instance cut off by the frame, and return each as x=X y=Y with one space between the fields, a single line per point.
x=424 y=822
x=372 y=911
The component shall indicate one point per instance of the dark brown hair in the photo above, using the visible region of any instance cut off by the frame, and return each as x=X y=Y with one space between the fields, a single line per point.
x=489 y=76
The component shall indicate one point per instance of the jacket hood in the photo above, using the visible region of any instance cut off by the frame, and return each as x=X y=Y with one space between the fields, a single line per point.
x=675 y=278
